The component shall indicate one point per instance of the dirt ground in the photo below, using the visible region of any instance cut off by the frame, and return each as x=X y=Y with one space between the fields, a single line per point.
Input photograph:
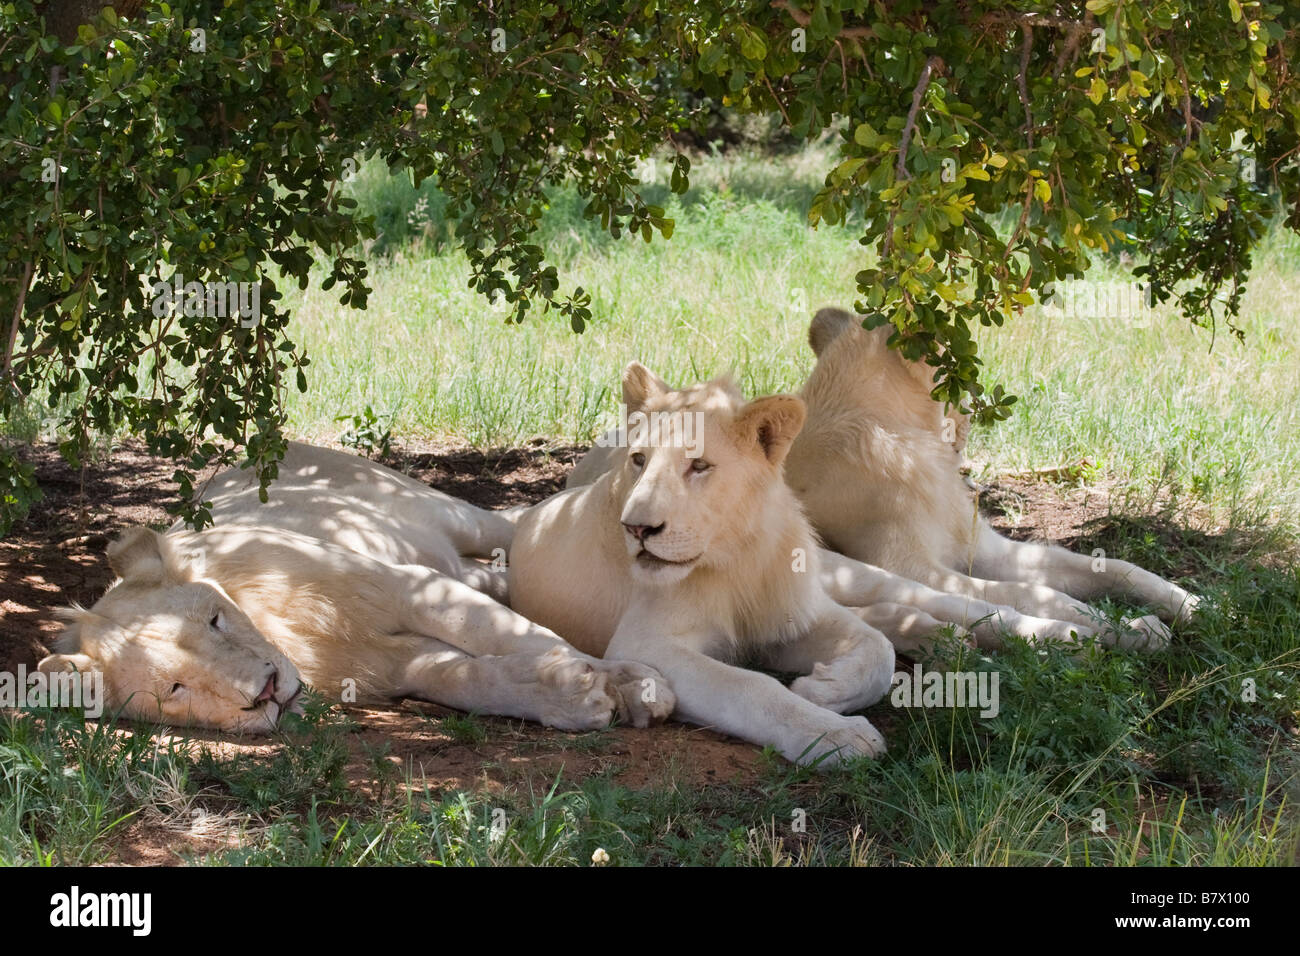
x=57 y=556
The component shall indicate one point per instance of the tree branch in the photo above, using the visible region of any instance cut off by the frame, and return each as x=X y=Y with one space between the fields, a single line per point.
x=13 y=328
x=1188 y=118
x=777 y=100
x=918 y=94
x=803 y=18
x=1022 y=80
x=900 y=168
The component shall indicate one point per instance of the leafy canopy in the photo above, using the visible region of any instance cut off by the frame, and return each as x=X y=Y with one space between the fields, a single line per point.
x=989 y=150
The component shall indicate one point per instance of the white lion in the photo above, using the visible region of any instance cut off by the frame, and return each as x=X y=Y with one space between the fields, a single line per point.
x=693 y=564
x=876 y=468
x=352 y=578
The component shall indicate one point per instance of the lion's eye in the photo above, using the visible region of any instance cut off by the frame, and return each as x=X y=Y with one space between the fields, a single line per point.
x=177 y=688
x=699 y=465
x=638 y=459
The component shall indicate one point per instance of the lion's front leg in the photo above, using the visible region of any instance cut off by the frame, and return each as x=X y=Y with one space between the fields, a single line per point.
x=1082 y=576
x=846 y=663
x=553 y=688
x=739 y=702
x=867 y=588
x=440 y=607
x=910 y=629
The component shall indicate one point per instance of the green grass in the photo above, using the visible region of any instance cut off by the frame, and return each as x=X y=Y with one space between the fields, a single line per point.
x=1184 y=770
x=1023 y=789
x=733 y=288
x=464 y=729
x=67 y=788
x=1199 y=449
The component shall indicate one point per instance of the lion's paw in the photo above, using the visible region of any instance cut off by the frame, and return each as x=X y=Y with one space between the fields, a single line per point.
x=1187 y=608
x=1146 y=633
x=578 y=697
x=851 y=737
x=644 y=697
x=1041 y=630
x=825 y=688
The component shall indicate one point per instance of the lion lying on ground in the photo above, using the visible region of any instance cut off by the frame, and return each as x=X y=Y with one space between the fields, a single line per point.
x=688 y=564
x=219 y=628
x=908 y=613
x=876 y=468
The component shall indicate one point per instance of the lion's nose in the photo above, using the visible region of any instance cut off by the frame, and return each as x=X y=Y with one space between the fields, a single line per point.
x=643 y=531
x=268 y=691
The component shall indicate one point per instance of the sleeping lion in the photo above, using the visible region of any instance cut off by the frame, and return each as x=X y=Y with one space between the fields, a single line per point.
x=352 y=578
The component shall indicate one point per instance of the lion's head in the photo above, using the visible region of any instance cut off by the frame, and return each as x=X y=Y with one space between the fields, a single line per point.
x=856 y=366
x=701 y=472
x=173 y=646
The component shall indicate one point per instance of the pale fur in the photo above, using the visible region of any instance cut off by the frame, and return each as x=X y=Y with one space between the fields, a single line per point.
x=592 y=563
x=374 y=604
x=876 y=468
x=374 y=510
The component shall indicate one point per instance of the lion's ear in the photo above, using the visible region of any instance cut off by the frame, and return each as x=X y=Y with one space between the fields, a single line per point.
x=138 y=555
x=85 y=633
x=826 y=325
x=772 y=423
x=640 y=385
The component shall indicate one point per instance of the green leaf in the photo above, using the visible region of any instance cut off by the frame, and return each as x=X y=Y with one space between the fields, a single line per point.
x=865 y=135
